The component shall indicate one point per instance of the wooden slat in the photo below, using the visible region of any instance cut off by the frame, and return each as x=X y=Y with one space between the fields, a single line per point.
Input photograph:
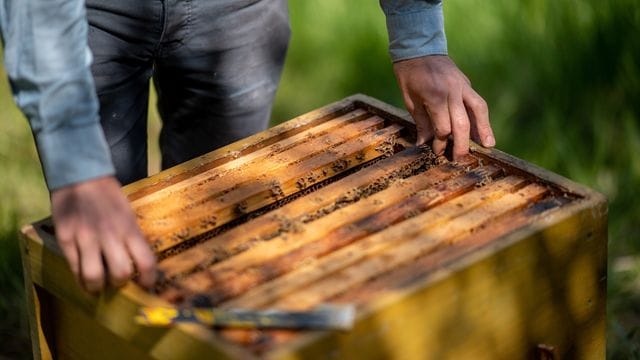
x=239 y=148
x=479 y=296
x=427 y=240
x=414 y=271
x=361 y=228
x=287 y=218
x=314 y=271
x=318 y=229
x=194 y=221
x=405 y=276
x=215 y=181
x=270 y=259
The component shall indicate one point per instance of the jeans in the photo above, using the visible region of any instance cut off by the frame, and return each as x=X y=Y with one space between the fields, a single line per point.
x=215 y=65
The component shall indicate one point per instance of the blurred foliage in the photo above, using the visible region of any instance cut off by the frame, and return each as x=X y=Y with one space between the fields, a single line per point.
x=23 y=198
x=562 y=79
x=13 y=315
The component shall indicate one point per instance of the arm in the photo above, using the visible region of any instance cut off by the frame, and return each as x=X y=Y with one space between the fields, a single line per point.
x=436 y=93
x=47 y=60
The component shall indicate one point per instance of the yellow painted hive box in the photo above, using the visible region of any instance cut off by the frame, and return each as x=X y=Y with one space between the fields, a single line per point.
x=488 y=257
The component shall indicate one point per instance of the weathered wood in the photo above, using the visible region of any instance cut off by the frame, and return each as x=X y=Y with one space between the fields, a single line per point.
x=237 y=149
x=441 y=261
x=422 y=266
x=308 y=269
x=39 y=345
x=267 y=260
x=209 y=185
x=427 y=240
x=287 y=218
x=498 y=302
x=378 y=242
x=77 y=336
x=378 y=255
x=406 y=275
x=166 y=233
x=278 y=155
x=113 y=310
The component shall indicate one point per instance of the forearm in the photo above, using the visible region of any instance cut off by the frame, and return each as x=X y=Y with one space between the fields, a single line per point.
x=48 y=63
x=416 y=28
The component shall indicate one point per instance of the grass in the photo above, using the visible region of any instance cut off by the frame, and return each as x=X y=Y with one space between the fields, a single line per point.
x=562 y=79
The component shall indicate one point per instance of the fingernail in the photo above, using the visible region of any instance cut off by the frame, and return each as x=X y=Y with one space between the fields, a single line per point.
x=489 y=141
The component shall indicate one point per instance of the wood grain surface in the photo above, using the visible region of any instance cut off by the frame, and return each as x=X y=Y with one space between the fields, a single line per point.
x=337 y=205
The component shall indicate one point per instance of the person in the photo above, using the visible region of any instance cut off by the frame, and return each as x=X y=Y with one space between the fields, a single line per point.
x=216 y=66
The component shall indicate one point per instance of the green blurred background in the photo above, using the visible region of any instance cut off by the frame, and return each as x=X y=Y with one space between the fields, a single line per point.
x=562 y=79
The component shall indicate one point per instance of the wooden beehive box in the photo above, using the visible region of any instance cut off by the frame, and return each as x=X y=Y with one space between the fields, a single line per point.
x=490 y=257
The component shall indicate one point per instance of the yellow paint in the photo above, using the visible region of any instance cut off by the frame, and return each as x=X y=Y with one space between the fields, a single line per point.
x=157 y=315
x=204 y=316
x=560 y=239
x=592 y=344
x=581 y=287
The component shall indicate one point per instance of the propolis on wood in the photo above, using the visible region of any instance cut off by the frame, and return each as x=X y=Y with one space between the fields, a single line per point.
x=488 y=257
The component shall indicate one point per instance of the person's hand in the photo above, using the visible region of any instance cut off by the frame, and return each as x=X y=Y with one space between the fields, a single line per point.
x=443 y=104
x=98 y=234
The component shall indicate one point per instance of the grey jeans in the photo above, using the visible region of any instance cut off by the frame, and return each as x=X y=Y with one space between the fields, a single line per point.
x=215 y=65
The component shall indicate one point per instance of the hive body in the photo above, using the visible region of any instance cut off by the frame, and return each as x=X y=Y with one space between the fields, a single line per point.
x=489 y=257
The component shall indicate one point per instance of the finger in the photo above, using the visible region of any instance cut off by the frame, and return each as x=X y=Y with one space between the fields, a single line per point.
x=91 y=266
x=439 y=145
x=408 y=102
x=143 y=258
x=70 y=251
x=440 y=120
x=479 y=115
x=118 y=261
x=424 y=130
x=459 y=126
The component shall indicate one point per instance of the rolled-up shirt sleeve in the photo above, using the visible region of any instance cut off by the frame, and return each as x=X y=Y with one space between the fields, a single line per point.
x=416 y=28
x=48 y=62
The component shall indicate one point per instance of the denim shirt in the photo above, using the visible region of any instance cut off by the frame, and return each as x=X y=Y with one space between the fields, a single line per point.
x=416 y=28
x=48 y=62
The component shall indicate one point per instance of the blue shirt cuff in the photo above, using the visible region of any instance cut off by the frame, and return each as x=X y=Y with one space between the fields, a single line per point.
x=416 y=28
x=74 y=154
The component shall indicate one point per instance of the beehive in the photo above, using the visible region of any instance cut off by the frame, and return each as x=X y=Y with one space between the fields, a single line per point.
x=488 y=257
